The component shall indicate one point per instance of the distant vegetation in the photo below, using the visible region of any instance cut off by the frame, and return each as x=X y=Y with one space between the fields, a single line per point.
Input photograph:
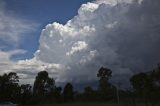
x=145 y=89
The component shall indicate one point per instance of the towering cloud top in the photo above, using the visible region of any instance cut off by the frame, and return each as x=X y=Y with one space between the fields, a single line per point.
x=120 y=34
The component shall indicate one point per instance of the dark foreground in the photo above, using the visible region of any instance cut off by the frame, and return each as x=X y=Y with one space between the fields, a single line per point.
x=92 y=104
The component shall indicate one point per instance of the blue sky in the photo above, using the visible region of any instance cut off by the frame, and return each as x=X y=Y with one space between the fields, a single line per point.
x=123 y=37
x=45 y=11
x=41 y=12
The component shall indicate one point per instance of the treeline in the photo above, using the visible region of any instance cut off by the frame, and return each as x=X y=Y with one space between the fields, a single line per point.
x=145 y=88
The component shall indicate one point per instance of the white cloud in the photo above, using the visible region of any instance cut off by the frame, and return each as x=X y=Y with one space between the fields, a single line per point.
x=113 y=2
x=27 y=69
x=77 y=47
x=6 y=65
x=123 y=37
x=111 y=35
x=17 y=51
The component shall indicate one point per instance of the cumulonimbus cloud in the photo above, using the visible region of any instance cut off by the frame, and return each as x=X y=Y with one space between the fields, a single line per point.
x=122 y=36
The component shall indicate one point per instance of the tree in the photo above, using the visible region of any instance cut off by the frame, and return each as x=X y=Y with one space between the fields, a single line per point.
x=9 y=88
x=104 y=74
x=43 y=86
x=88 y=90
x=142 y=85
x=139 y=81
x=68 y=92
x=13 y=78
x=155 y=75
x=105 y=91
x=57 y=94
x=88 y=93
x=26 y=93
x=40 y=82
x=43 y=83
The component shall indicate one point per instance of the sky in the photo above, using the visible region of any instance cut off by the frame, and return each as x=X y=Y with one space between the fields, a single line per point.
x=40 y=13
x=73 y=39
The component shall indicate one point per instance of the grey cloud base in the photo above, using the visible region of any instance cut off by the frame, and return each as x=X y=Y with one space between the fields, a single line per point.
x=124 y=37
